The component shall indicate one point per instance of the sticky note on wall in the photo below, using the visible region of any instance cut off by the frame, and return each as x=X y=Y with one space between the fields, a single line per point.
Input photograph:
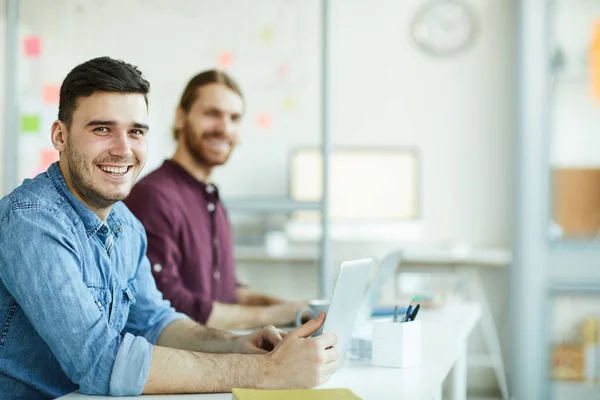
x=47 y=158
x=32 y=45
x=51 y=93
x=264 y=120
x=30 y=123
x=225 y=60
x=595 y=61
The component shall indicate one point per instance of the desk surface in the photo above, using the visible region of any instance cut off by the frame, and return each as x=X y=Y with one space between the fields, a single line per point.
x=443 y=331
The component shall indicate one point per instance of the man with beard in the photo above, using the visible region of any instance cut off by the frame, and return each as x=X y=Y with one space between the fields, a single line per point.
x=79 y=308
x=190 y=243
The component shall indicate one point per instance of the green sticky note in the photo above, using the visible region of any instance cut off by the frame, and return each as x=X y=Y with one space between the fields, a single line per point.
x=30 y=124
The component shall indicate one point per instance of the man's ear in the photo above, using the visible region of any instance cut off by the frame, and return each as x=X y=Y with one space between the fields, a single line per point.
x=180 y=116
x=59 y=131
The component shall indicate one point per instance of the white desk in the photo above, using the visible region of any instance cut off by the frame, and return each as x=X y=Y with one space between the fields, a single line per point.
x=465 y=261
x=445 y=333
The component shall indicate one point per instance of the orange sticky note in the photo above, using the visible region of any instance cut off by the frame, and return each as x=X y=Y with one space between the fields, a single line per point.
x=595 y=61
x=32 y=46
x=226 y=58
x=264 y=120
x=51 y=93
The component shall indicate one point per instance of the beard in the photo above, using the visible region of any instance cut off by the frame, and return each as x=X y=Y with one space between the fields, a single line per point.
x=83 y=183
x=195 y=146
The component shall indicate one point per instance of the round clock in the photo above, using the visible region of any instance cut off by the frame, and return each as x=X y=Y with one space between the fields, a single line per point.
x=444 y=27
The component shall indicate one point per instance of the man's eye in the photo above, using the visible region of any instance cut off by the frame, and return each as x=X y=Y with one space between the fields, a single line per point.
x=101 y=129
x=137 y=132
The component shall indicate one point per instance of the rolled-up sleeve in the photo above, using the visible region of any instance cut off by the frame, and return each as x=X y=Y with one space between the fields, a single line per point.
x=43 y=274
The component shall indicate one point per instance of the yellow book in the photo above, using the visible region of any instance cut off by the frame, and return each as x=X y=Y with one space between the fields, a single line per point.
x=298 y=394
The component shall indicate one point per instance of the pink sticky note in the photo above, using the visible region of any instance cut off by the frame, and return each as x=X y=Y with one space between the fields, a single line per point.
x=226 y=59
x=264 y=120
x=33 y=46
x=47 y=158
x=283 y=70
x=51 y=93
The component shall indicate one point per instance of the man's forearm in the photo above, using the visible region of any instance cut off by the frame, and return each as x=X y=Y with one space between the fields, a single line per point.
x=247 y=297
x=189 y=335
x=181 y=371
x=235 y=316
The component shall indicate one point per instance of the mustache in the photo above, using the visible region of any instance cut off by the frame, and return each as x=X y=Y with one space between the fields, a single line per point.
x=219 y=135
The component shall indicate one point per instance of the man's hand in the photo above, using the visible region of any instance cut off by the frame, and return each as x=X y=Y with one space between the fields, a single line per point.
x=302 y=362
x=284 y=313
x=259 y=342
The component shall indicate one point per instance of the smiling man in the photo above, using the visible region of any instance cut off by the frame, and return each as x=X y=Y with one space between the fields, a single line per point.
x=79 y=308
x=190 y=244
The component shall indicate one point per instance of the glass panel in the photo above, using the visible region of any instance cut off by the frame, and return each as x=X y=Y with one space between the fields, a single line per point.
x=272 y=48
x=575 y=119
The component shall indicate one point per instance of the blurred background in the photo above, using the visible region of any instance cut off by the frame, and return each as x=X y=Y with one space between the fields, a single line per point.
x=464 y=132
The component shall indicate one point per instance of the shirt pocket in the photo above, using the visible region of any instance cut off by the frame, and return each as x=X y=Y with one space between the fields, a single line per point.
x=102 y=298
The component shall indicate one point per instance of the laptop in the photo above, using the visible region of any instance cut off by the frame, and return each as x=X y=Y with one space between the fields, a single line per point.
x=385 y=271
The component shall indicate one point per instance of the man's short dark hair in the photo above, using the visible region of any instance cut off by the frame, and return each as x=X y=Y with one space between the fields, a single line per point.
x=102 y=74
x=190 y=94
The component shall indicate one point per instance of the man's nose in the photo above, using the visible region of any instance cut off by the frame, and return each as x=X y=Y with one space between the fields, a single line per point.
x=120 y=146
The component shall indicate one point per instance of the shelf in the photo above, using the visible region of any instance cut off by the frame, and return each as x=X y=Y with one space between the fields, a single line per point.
x=587 y=288
x=271 y=205
x=575 y=390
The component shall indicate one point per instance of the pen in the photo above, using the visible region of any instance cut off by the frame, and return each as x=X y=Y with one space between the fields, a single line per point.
x=408 y=310
x=396 y=314
x=414 y=314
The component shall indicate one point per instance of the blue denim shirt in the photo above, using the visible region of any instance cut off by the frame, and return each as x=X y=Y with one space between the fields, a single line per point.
x=79 y=308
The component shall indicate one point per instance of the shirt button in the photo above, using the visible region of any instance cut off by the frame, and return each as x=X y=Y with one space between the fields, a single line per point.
x=103 y=229
x=210 y=189
x=217 y=275
x=99 y=304
x=211 y=207
x=157 y=267
x=118 y=229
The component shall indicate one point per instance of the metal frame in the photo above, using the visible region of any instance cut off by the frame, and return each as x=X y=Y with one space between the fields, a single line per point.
x=325 y=286
x=529 y=304
x=11 y=108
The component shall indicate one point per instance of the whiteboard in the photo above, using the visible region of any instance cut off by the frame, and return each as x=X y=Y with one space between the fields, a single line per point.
x=272 y=47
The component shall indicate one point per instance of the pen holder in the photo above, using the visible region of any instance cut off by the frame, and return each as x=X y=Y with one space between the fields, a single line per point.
x=396 y=344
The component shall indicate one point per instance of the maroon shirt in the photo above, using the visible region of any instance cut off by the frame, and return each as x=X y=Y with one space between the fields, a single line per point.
x=190 y=244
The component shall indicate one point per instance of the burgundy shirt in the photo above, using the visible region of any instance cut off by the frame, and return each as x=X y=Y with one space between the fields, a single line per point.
x=190 y=244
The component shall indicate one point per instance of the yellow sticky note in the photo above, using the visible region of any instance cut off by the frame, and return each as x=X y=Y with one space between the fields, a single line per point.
x=298 y=394
x=266 y=34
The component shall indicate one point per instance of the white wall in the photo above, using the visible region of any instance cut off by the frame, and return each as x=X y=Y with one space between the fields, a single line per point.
x=458 y=112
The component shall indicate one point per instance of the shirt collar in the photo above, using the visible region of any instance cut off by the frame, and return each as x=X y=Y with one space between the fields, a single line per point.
x=209 y=189
x=90 y=220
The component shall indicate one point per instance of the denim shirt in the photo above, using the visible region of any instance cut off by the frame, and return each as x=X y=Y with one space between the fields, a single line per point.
x=79 y=308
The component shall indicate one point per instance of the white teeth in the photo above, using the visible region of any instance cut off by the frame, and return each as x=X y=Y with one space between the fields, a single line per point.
x=221 y=144
x=114 y=170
